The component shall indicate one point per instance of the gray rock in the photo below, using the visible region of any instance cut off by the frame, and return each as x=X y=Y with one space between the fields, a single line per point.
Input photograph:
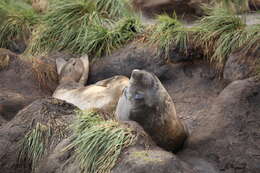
x=228 y=137
x=238 y=67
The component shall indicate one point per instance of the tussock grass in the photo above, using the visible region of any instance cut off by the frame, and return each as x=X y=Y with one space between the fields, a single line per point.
x=98 y=143
x=45 y=73
x=83 y=27
x=17 y=23
x=113 y=8
x=34 y=144
x=39 y=140
x=253 y=39
x=4 y=61
x=237 y=6
x=168 y=33
x=219 y=34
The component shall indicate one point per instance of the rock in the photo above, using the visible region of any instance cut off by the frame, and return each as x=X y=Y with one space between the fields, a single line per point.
x=186 y=7
x=254 y=4
x=124 y=61
x=14 y=131
x=228 y=137
x=2 y=120
x=18 y=86
x=143 y=157
x=138 y=160
x=239 y=66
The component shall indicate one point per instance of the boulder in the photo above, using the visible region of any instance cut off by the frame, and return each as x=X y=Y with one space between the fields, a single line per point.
x=11 y=133
x=184 y=7
x=228 y=136
x=142 y=157
x=254 y=4
x=240 y=66
x=18 y=86
x=135 y=56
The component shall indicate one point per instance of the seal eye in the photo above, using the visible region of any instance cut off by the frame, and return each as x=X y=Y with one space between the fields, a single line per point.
x=139 y=96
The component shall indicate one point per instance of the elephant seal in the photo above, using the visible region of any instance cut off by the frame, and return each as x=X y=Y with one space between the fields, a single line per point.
x=73 y=74
x=147 y=102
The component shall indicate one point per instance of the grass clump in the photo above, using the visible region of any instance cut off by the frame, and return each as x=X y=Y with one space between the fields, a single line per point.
x=34 y=144
x=17 y=23
x=112 y=8
x=168 y=33
x=219 y=34
x=98 y=143
x=84 y=27
x=237 y=6
x=4 y=61
x=253 y=39
x=39 y=140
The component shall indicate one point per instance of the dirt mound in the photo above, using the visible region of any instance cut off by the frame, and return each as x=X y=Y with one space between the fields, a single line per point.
x=228 y=136
x=11 y=133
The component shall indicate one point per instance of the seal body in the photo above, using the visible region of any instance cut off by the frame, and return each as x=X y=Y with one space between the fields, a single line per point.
x=147 y=102
x=101 y=95
x=73 y=74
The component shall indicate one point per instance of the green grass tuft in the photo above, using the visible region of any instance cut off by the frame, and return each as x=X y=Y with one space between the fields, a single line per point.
x=34 y=144
x=168 y=33
x=219 y=34
x=39 y=140
x=83 y=27
x=98 y=143
x=17 y=22
x=112 y=8
x=253 y=39
x=237 y=6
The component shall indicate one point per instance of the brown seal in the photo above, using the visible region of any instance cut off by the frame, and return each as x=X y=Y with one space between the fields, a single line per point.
x=147 y=102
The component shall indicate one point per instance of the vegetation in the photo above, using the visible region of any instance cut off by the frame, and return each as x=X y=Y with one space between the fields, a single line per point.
x=168 y=33
x=217 y=35
x=98 y=143
x=38 y=141
x=85 y=27
x=18 y=19
x=221 y=33
x=236 y=6
x=4 y=61
x=34 y=144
